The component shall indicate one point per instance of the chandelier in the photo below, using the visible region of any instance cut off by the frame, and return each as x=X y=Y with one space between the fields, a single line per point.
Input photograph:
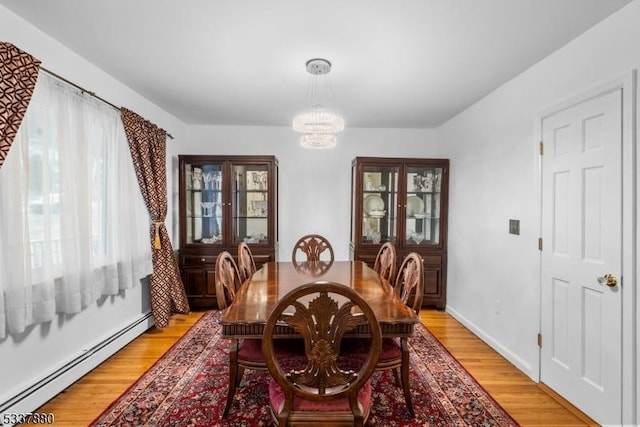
x=317 y=124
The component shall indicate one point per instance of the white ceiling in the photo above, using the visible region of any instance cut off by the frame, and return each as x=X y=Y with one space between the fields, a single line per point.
x=402 y=63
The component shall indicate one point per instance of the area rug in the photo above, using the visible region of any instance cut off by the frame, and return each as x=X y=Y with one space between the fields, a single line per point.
x=187 y=387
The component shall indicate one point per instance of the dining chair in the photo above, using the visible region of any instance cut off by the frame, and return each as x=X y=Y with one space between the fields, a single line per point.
x=409 y=287
x=385 y=264
x=244 y=353
x=246 y=263
x=321 y=387
x=394 y=355
x=312 y=248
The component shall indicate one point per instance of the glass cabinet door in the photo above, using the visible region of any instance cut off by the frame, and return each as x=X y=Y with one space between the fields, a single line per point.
x=204 y=215
x=422 y=222
x=379 y=204
x=250 y=197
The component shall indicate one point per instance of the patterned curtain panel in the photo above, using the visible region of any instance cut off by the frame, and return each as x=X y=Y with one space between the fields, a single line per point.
x=18 y=75
x=147 y=143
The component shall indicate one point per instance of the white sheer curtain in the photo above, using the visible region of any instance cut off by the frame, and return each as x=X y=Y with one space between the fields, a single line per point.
x=73 y=224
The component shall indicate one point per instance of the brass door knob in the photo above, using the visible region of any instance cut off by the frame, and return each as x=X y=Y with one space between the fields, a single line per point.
x=609 y=280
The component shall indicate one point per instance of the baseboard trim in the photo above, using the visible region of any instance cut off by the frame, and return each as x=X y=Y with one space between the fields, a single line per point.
x=40 y=392
x=518 y=362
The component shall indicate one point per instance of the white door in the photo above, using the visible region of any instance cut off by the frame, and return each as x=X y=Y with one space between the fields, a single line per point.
x=581 y=315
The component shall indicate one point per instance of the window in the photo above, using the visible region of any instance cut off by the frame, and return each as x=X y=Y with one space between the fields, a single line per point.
x=73 y=225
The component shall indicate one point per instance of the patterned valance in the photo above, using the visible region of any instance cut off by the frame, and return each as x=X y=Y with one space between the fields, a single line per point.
x=18 y=75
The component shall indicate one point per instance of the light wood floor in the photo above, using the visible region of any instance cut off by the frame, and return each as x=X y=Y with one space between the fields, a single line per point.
x=523 y=399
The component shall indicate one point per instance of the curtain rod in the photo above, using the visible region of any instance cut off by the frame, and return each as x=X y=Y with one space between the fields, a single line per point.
x=88 y=92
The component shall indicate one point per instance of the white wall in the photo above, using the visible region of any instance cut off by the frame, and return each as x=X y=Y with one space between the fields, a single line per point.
x=314 y=185
x=46 y=348
x=494 y=177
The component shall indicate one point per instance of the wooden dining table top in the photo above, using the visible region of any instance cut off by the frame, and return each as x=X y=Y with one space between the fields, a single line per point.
x=256 y=298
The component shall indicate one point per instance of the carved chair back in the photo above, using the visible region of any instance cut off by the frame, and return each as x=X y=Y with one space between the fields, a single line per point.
x=321 y=313
x=385 y=264
x=246 y=263
x=227 y=279
x=312 y=248
x=410 y=281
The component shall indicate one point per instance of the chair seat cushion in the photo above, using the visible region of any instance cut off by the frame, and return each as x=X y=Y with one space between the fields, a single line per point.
x=359 y=347
x=276 y=399
x=251 y=348
x=276 y=394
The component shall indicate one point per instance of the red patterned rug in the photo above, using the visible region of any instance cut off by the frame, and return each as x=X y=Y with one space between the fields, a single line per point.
x=187 y=387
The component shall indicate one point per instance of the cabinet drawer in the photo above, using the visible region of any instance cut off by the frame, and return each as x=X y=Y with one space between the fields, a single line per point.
x=198 y=259
x=435 y=260
x=369 y=259
x=261 y=259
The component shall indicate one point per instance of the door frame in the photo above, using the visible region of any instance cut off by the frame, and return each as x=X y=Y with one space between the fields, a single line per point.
x=630 y=239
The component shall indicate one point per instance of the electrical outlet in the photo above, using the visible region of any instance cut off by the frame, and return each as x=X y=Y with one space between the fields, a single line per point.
x=514 y=226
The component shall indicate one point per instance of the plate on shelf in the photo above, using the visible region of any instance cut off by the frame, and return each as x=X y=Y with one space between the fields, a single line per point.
x=415 y=205
x=377 y=213
x=372 y=203
x=420 y=215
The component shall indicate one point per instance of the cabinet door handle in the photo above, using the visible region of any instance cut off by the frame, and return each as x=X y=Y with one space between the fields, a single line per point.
x=203 y=259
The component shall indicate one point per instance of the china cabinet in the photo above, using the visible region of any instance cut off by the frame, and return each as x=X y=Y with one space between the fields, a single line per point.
x=224 y=200
x=403 y=201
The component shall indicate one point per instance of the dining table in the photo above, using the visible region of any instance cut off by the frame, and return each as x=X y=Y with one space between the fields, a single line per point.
x=258 y=295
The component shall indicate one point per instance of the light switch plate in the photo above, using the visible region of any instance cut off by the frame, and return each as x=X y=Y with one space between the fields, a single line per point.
x=514 y=226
